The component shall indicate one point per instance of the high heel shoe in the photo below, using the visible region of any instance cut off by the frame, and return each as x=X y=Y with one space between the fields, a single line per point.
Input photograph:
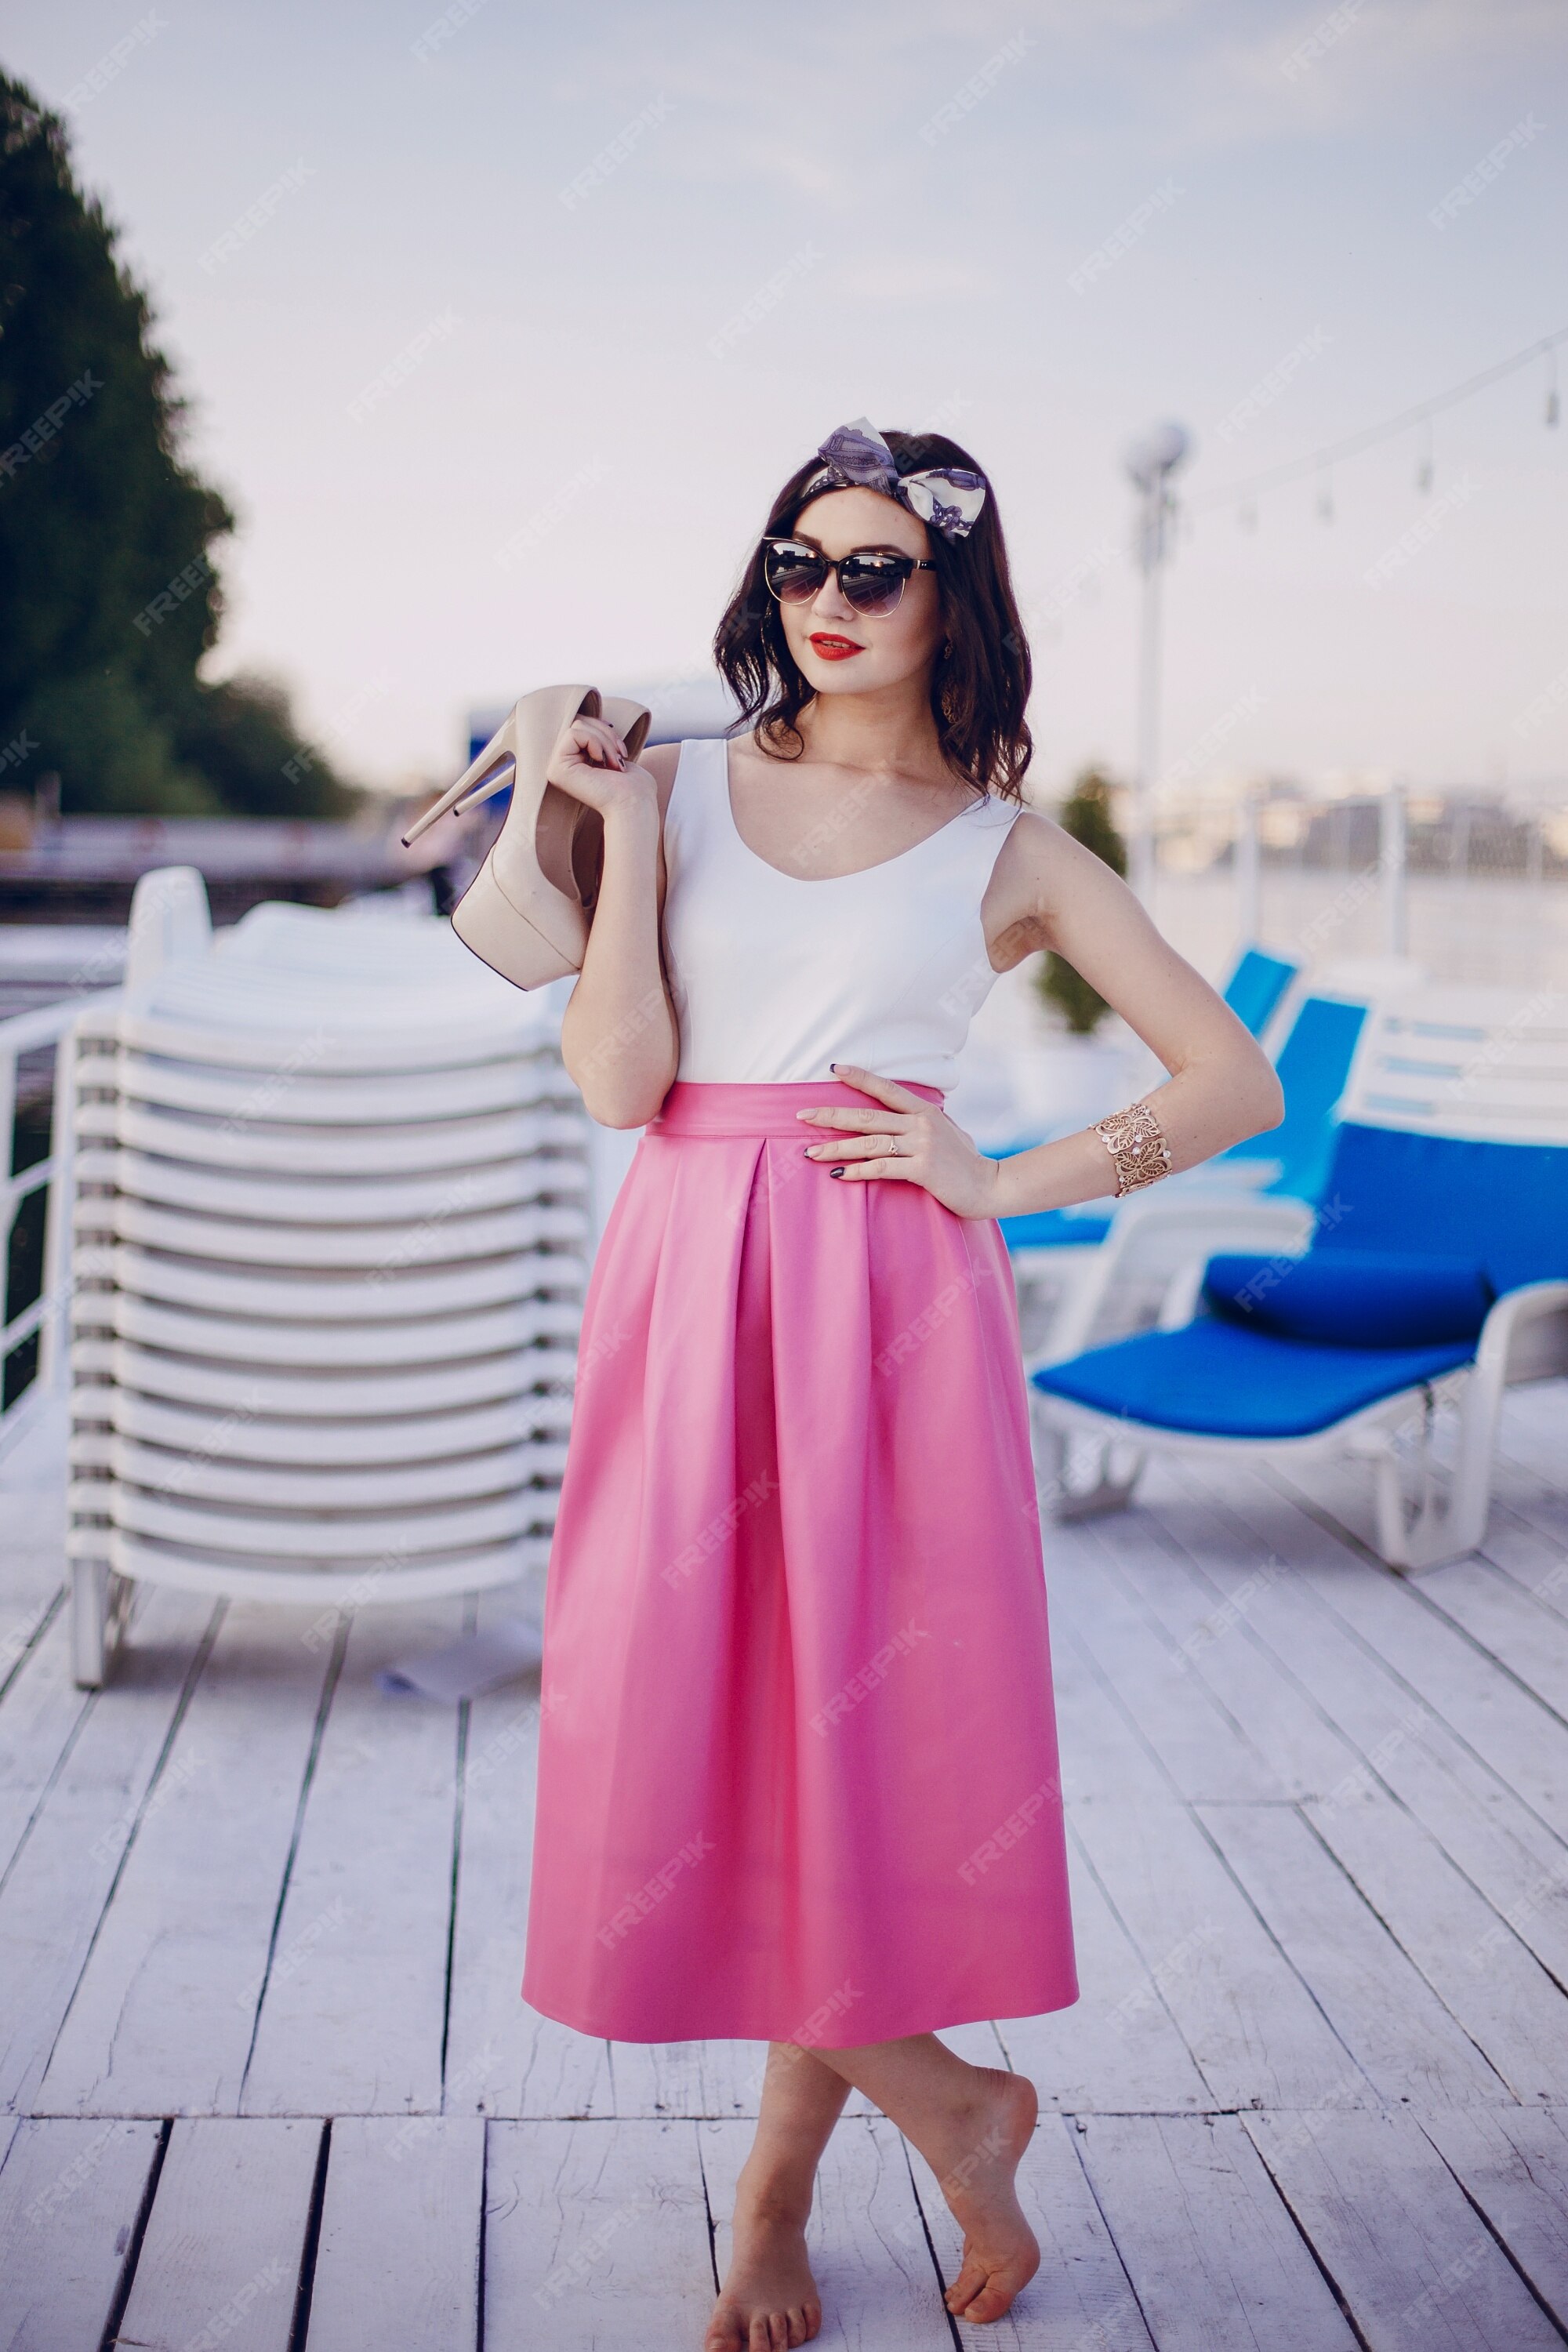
x=527 y=910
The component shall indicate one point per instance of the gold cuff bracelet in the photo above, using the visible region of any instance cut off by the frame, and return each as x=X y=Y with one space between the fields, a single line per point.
x=1137 y=1145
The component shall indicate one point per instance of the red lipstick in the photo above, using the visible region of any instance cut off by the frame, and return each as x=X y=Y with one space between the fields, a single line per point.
x=832 y=648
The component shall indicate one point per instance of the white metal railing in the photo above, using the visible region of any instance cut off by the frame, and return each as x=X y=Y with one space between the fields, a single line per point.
x=34 y=1347
x=1474 y=888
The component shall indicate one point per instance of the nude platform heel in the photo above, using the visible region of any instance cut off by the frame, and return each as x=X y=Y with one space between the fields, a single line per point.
x=526 y=912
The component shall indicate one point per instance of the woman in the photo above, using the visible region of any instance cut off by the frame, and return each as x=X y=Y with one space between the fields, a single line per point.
x=798 y=1776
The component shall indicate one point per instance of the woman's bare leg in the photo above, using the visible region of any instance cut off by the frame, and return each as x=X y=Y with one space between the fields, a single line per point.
x=971 y=2124
x=769 y=2298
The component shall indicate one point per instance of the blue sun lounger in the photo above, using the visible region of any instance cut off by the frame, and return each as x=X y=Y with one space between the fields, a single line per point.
x=1438 y=1275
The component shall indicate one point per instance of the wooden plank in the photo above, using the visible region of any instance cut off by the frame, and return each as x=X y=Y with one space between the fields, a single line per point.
x=40 y=1715
x=1523 y=1741
x=1499 y=1991
x=1080 y=2296
x=1256 y=2035
x=1116 y=2049
x=1214 y=2258
x=1531 y=1641
x=69 y=2196
x=694 y=2079
x=60 y=1880
x=1378 y=2003
x=1513 y=2165
x=596 y=2234
x=1209 y=1617
x=352 y=2015
x=220 y=2261
x=865 y=2237
x=502 y=2057
x=1202 y=1746
x=1104 y=1758
x=398 y=2260
x=162 y=2018
x=1417 y=2270
x=1403 y=1743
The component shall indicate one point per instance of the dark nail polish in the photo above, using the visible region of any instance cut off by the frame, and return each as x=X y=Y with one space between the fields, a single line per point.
x=836 y=1171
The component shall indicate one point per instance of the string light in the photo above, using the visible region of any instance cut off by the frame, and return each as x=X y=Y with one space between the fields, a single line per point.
x=1242 y=496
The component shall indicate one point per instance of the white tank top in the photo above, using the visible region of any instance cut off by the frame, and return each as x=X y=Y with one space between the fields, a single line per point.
x=774 y=977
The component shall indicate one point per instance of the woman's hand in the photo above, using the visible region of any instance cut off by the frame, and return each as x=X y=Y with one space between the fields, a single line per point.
x=908 y=1139
x=590 y=762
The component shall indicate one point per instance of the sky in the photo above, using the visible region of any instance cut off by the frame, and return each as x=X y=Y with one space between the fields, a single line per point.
x=502 y=323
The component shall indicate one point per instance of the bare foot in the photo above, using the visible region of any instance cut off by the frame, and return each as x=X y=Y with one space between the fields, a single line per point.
x=768 y=2299
x=975 y=2158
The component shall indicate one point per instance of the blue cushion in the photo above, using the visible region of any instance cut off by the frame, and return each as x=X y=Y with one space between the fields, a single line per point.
x=1215 y=1380
x=1352 y=1298
x=1053 y=1228
x=1501 y=1206
x=1256 y=986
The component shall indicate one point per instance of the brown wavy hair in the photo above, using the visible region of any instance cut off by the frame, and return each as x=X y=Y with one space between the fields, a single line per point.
x=979 y=682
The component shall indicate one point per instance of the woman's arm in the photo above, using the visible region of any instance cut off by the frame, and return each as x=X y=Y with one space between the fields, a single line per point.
x=1222 y=1085
x=1049 y=891
x=618 y=1037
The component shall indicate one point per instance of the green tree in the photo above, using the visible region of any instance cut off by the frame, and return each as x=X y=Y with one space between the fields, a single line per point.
x=1086 y=814
x=108 y=592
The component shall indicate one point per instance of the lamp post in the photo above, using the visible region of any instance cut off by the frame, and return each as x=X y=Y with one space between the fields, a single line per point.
x=1151 y=463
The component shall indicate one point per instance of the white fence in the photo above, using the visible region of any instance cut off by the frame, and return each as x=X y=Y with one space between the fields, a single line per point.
x=1472 y=887
x=34 y=1206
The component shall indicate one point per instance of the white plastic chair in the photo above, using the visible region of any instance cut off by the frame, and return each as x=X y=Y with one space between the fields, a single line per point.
x=331 y=1221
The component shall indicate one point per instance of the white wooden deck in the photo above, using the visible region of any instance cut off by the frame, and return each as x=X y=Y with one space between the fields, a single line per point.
x=267 y=2081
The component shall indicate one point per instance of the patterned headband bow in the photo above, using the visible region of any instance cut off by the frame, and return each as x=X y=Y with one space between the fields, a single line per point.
x=948 y=498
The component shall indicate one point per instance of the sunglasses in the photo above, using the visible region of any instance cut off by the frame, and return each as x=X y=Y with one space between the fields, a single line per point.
x=871 y=581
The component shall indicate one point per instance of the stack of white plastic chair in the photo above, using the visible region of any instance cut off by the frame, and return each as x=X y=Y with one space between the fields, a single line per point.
x=331 y=1231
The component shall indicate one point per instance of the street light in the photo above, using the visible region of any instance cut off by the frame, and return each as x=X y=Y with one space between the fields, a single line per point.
x=1150 y=462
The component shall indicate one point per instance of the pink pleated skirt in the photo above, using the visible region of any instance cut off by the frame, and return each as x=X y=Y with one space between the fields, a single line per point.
x=797 y=1768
